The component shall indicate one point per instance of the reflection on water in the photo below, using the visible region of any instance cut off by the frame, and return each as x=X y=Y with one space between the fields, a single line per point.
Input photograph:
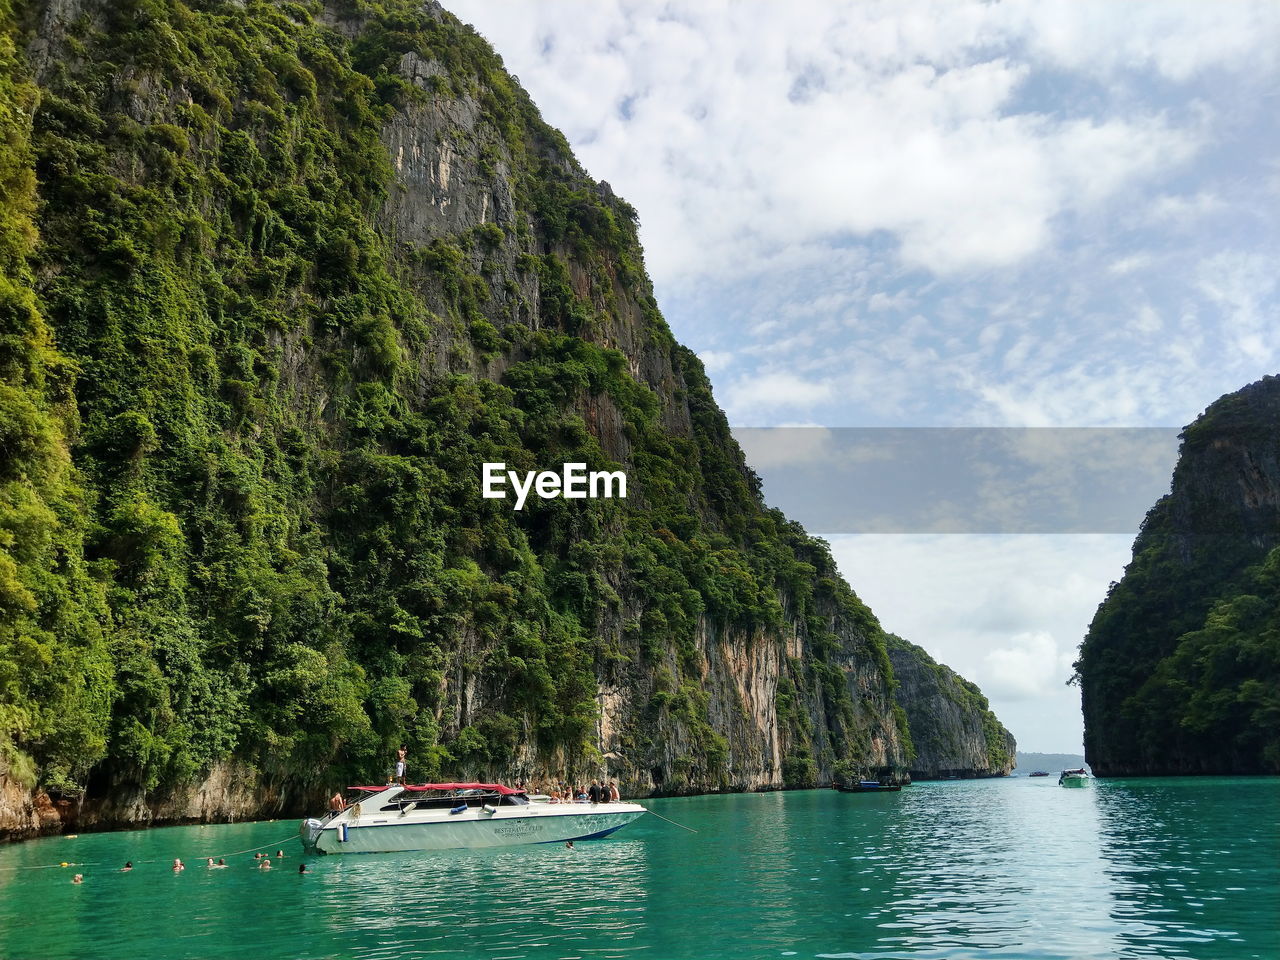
x=542 y=900
x=1020 y=873
x=1192 y=885
x=1000 y=869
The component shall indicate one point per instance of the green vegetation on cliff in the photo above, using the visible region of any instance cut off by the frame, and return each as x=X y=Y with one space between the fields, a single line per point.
x=1180 y=671
x=241 y=511
x=55 y=669
x=953 y=729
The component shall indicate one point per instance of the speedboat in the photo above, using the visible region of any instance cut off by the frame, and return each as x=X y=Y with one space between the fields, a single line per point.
x=1073 y=778
x=868 y=786
x=450 y=816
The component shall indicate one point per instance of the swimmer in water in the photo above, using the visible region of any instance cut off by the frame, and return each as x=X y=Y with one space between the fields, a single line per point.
x=128 y=865
x=78 y=878
x=264 y=863
x=220 y=865
x=279 y=853
x=302 y=868
x=178 y=865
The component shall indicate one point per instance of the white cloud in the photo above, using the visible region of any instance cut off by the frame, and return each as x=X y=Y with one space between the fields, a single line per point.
x=772 y=392
x=1029 y=667
x=1176 y=38
x=751 y=128
x=1183 y=210
x=1148 y=319
x=1240 y=283
x=1242 y=286
x=882 y=301
x=715 y=360
x=1128 y=264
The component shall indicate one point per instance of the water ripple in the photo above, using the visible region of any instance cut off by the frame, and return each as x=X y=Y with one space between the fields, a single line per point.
x=1014 y=869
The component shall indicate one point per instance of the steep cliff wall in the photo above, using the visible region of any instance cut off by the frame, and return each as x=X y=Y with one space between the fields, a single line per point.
x=953 y=730
x=1180 y=670
x=306 y=266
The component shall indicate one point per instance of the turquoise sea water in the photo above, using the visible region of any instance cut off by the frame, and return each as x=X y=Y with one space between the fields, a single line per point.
x=1012 y=868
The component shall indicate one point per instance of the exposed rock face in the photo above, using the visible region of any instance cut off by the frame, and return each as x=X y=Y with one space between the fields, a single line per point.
x=1180 y=669
x=435 y=152
x=953 y=731
x=226 y=793
x=24 y=812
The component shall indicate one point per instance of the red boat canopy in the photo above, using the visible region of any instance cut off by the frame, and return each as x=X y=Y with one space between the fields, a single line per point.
x=494 y=787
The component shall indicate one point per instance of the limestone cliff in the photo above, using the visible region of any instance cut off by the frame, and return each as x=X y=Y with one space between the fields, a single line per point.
x=1180 y=670
x=302 y=268
x=953 y=730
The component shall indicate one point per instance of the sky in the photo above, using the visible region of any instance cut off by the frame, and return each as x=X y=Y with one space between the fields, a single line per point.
x=942 y=214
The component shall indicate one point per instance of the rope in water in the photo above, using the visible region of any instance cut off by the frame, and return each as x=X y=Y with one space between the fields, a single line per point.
x=274 y=843
x=55 y=866
x=99 y=863
x=672 y=822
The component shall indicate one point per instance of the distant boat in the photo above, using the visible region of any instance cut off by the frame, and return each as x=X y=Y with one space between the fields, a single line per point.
x=1073 y=778
x=1040 y=773
x=868 y=786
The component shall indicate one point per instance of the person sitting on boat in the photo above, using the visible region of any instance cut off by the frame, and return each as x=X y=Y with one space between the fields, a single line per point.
x=593 y=792
x=336 y=803
x=614 y=796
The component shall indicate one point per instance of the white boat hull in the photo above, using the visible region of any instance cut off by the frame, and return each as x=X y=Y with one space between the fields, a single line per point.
x=475 y=828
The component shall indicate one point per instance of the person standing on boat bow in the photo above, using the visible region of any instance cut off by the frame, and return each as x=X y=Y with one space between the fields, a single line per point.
x=402 y=755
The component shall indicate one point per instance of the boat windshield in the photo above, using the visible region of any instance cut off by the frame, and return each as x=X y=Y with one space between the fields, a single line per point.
x=411 y=799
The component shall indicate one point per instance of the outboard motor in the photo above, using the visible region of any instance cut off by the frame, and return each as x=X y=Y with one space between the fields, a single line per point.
x=309 y=833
